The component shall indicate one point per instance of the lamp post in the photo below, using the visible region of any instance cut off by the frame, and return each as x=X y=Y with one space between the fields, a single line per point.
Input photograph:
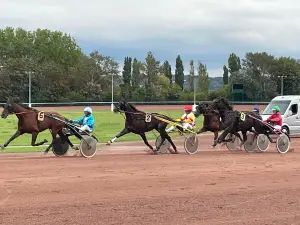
x=29 y=89
x=112 y=93
x=194 y=106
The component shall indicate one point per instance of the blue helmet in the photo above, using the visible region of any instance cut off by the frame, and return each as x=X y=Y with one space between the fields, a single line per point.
x=255 y=109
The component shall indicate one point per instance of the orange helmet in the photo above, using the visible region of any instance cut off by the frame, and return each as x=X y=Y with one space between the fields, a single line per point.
x=187 y=108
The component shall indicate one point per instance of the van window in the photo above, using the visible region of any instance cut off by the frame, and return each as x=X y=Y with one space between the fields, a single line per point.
x=294 y=109
x=283 y=105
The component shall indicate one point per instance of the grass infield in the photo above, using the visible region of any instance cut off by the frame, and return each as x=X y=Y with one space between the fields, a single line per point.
x=107 y=125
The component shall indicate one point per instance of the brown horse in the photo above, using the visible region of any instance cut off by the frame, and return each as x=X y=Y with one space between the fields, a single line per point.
x=32 y=121
x=211 y=121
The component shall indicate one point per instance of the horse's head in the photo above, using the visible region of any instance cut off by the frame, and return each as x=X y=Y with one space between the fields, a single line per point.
x=120 y=107
x=7 y=109
x=200 y=109
x=221 y=104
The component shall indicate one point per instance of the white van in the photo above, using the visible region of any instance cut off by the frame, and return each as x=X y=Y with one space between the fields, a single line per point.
x=289 y=109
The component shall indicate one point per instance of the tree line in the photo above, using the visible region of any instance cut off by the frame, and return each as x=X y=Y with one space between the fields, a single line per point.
x=61 y=72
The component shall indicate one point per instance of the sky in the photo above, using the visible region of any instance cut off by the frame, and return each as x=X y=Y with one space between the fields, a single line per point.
x=205 y=30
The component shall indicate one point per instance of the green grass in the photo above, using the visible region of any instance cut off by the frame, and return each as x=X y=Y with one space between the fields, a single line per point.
x=108 y=124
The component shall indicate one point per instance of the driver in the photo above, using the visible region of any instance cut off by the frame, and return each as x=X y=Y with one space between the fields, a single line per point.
x=187 y=120
x=87 y=121
x=256 y=111
x=275 y=118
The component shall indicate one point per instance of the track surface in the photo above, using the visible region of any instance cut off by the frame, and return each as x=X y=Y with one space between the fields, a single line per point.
x=123 y=184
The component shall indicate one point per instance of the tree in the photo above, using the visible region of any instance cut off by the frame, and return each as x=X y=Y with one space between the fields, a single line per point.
x=126 y=86
x=225 y=76
x=167 y=70
x=203 y=81
x=192 y=76
x=234 y=63
x=179 y=72
x=138 y=73
x=151 y=67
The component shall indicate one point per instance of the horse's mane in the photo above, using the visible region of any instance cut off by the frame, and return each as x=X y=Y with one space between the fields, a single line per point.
x=26 y=107
x=226 y=103
x=132 y=107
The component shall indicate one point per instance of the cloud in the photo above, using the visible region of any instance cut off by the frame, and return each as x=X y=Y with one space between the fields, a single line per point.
x=196 y=29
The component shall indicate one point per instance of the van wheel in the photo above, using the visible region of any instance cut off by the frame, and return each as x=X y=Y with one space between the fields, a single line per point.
x=285 y=130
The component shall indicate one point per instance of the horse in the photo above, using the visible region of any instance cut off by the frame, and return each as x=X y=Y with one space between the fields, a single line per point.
x=211 y=120
x=32 y=121
x=139 y=122
x=234 y=121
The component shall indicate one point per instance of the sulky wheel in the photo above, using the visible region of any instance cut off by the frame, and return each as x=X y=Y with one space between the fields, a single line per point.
x=88 y=146
x=191 y=144
x=283 y=143
x=234 y=144
x=251 y=144
x=263 y=142
x=60 y=147
x=164 y=147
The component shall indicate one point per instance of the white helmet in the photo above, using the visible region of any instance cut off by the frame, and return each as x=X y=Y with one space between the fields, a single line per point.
x=88 y=109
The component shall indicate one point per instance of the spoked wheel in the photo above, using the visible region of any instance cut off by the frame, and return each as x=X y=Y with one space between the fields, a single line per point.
x=88 y=146
x=164 y=147
x=60 y=147
x=283 y=143
x=191 y=144
x=233 y=145
x=263 y=142
x=251 y=143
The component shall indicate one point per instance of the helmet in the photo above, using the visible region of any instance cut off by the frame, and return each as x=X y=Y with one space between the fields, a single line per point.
x=256 y=109
x=88 y=109
x=276 y=108
x=187 y=108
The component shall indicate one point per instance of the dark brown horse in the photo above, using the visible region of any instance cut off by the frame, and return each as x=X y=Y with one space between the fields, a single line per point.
x=32 y=121
x=211 y=120
x=139 y=122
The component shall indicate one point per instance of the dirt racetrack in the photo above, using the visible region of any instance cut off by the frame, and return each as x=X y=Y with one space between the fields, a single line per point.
x=123 y=184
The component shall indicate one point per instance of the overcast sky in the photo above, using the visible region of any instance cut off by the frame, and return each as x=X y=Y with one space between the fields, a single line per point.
x=206 y=30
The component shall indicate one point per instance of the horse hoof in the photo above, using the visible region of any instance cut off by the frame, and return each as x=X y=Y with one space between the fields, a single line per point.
x=75 y=148
x=108 y=143
x=2 y=147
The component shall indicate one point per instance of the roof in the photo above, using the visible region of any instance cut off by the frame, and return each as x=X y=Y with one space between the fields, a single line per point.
x=287 y=97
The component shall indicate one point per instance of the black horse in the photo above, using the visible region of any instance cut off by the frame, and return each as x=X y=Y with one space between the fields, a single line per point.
x=139 y=122
x=235 y=121
x=212 y=122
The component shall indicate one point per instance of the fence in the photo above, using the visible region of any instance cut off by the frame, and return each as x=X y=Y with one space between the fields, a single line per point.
x=57 y=104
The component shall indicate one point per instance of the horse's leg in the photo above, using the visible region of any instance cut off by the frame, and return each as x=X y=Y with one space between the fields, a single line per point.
x=33 y=140
x=202 y=130
x=244 y=133
x=223 y=135
x=216 y=134
x=163 y=138
x=172 y=143
x=122 y=133
x=64 y=137
x=17 y=134
x=164 y=135
x=146 y=141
